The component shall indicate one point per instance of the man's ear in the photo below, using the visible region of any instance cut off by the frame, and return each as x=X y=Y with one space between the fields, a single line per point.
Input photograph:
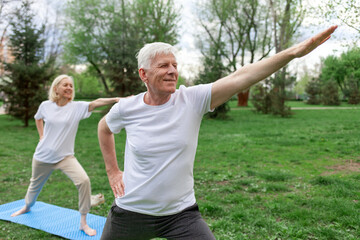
x=143 y=75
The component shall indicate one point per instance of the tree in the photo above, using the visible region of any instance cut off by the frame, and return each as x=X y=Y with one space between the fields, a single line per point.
x=26 y=76
x=261 y=98
x=287 y=17
x=313 y=89
x=347 y=11
x=345 y=71
x=354 y=93
x=107 y=34
x=330 y=93
x=240 y=30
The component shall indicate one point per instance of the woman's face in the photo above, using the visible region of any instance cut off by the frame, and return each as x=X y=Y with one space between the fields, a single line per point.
x=65 y=88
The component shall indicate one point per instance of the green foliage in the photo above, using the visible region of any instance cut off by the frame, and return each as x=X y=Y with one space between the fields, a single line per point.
x=261 y=99
x=108 y=34
x=347 y=11
x=313 y=89
x=278 y=107
x=354 y=93
x=156 y=20
x=26 y=76
x=270 y=98
x=330 y=93
x=345 y=70
x=87 y=85
x=241 y=30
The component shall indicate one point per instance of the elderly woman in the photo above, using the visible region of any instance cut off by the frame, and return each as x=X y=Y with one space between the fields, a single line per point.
x=55 y=149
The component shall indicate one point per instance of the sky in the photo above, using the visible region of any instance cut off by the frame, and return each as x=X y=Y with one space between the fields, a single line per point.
x=189 y=56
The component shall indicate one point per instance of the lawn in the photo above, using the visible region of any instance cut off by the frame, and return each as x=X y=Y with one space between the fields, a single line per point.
x=256 y=176
x=297 y=104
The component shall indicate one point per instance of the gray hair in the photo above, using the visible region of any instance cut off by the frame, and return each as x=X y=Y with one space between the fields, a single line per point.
x=149 y=52
x=52 y=93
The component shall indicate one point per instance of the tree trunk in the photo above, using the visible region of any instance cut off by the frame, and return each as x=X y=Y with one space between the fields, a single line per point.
x=243 y=98
x=101 y=76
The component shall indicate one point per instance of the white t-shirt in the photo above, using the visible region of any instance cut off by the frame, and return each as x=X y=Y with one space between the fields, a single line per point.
x=61 y=124
x=160 y=149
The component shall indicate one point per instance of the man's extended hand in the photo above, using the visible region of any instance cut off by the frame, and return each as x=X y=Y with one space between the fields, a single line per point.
x=310 y=44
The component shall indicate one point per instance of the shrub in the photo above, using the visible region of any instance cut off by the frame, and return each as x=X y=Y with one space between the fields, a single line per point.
x=354 y=94
x=313 y=90
x=261 y=99
x=330 y=94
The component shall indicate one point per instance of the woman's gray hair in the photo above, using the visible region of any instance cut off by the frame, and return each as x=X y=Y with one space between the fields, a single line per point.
x=149 y=52
x=52 y=93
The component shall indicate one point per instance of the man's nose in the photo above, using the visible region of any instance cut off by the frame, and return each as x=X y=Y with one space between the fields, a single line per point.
x=171 y=69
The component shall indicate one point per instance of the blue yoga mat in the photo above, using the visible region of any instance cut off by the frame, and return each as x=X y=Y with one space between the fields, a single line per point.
x=56 y=220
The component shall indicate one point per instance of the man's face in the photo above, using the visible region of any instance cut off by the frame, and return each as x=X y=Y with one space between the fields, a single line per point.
x=162 y=76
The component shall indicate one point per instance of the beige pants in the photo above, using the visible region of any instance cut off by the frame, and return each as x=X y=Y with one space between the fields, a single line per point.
x=72 y=168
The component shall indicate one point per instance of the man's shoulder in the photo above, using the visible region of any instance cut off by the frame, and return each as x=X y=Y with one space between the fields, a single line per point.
x=129 y=103
x=193 y=88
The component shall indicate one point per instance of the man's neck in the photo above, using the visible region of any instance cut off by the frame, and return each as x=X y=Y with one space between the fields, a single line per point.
x=155 y=100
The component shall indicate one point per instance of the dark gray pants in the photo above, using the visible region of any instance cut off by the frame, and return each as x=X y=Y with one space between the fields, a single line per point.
x=188 y=224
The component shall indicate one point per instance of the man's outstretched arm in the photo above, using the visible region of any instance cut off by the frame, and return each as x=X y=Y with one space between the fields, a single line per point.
x=107 y=146
x=223 y=89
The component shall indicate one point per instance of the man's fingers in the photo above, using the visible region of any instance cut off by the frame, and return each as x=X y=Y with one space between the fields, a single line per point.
x=325 y=40
x=324 y=36
x=118 y=190
x=117 y=184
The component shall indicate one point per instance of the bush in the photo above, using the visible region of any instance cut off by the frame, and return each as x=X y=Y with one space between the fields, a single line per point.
x=313 y=90
x=220 y=112
x=330 y=94
x=266 y=101
x=261 y=99
x=278 y=106
x=354 y=94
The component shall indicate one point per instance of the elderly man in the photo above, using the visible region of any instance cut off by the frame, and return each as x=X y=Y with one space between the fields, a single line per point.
x=154 y=195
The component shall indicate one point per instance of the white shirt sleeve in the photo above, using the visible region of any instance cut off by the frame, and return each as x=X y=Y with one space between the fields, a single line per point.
x=39 y=114
x=200 y=97
x=83 y=109
x=114 y=119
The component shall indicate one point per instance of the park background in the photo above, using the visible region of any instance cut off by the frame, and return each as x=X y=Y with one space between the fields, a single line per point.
x=283 y=166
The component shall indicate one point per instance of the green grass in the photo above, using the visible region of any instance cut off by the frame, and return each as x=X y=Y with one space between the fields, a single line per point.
x=297 y=104
x=256 y=176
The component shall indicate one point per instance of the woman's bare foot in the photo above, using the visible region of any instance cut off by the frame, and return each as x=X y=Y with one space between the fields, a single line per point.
x=21 y=211
x=84 y=227
x=89 y=231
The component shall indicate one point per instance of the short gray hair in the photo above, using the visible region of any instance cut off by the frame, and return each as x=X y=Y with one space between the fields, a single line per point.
x=149 y=52
x=52 y=94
